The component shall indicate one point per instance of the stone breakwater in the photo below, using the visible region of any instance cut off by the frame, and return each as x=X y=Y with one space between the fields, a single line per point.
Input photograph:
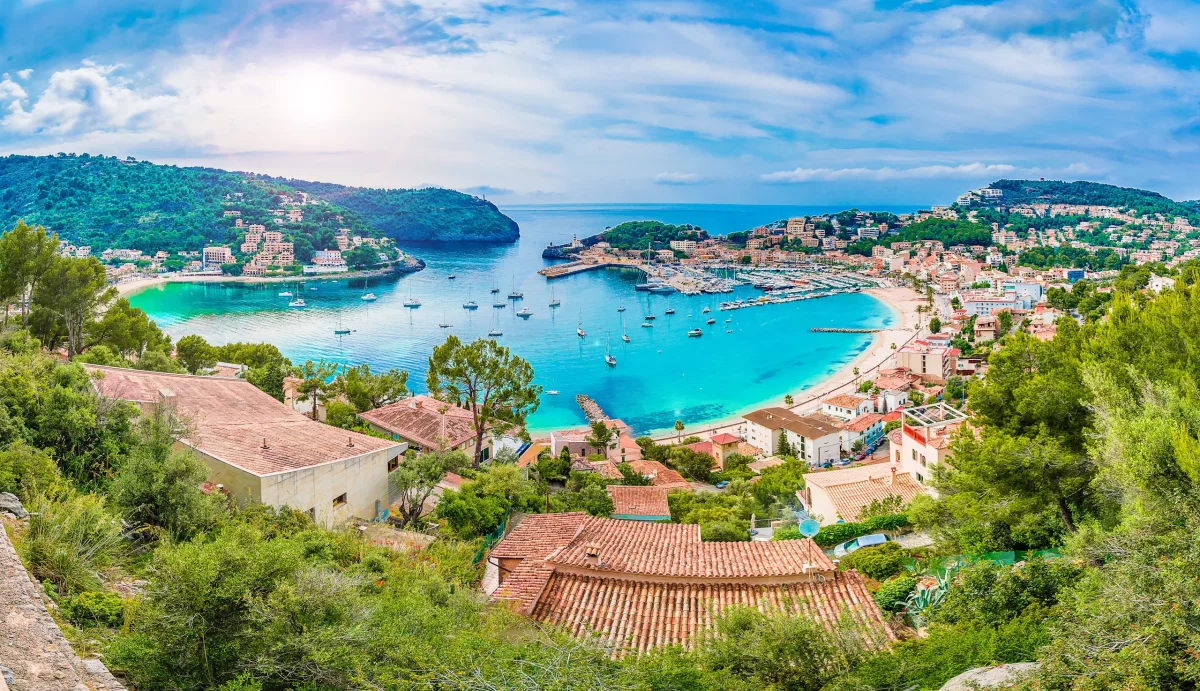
x=31 y=644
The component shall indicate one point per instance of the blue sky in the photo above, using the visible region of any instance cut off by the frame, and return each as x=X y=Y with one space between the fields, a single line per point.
x=806 y=102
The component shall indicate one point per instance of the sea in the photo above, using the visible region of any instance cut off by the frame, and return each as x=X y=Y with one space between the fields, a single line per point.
x=748 y=358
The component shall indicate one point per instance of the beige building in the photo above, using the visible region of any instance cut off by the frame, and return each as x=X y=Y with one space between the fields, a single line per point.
x=843 y=494
x=930 y=358
x=216 y=256
x=926 y=433
x=261 y=451
x=811 y=439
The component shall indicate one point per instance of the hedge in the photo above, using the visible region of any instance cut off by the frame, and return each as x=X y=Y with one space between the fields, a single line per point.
x=879 y=562
x=838 y=533
x=892 y=595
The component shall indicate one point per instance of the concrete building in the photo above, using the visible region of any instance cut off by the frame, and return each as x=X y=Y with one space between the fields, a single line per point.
x=260 y=451
x=842 y=495
x=846 y=406
x=926 y=434
x=934 y=361
x=216 y=256
x=811 y=440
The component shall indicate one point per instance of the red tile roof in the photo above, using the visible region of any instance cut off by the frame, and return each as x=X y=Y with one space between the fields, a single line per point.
x=862 y=422
x=639 y=501
x=844 y=400
x=231 y=419
x=659 y=474
x=637 y=616
x=640 y=585
x=725 y=438
x=421 y=419
x=851 y=490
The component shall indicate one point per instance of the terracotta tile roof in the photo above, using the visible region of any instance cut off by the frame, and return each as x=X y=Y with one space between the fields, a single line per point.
x=607 y=469
x=725 y=438
x=844 y=400
x=639 y=501
x=771 y=418
x=704 y=447
x=863 y=422
x=420 y=419
x=659 y=474
x=851 y=490
x=769 y=462
x=893 y=383
x=638 y=616
x=231 y=419
x=540 y=534
x=524 y=586
x=674 y=550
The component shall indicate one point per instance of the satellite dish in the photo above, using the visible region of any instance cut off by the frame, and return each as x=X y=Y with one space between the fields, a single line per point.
x=809 y=528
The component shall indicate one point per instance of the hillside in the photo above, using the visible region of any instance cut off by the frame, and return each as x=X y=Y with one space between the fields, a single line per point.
x=637 y=234
x=1091 y=193
x=109 y=202
x=422 y=215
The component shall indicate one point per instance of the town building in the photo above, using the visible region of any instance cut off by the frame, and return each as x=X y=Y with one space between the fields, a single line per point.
x=426 y=424
x=926 y=434
x=260 y=451
x=216 y=256
x=811 y=440
x=720 y=447
x=634 y=586
x=579 y=443
x=933 y=360
x=846 y=406
x=842 y=495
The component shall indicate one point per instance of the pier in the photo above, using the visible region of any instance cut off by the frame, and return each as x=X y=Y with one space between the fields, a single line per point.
x=822 y=329
x=591 y=408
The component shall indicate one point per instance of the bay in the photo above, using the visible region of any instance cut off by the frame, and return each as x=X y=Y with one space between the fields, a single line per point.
x=661 y=376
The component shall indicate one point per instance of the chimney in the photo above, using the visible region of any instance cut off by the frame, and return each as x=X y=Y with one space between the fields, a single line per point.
x=265 y=445
x=167 y=398
x=350 y=443
x=418 y=405
x=591 y=554
x=892 y=479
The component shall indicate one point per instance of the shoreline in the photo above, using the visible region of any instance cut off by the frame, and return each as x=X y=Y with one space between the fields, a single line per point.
x=129 y=288
x=903 y=303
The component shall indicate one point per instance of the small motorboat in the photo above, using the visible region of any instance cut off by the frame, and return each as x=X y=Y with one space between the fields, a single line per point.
x=552 y=392
x=370 y=297
x=412 y=302
x=711 y=321
x=650 y=317
x=313 y=288
x=286 y=294
x=298 y=302
x=341 y=332
x=695 y=332
x=452 y=277
x=646 y=325
x=728 y=331
x=705 y=311
x=524 y=312
x=670 y=310
x=499 y=305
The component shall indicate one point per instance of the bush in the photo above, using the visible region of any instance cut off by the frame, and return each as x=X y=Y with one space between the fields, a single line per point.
x=24 y=471
x=894 y=592
x=879 y=562
x=70 y=537
x=340 y=414
x=100 y=608
x=723 y=531
x=838 y=533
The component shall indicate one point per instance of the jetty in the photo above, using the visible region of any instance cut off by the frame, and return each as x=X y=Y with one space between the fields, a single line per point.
x=821 y=329
x=591 y=408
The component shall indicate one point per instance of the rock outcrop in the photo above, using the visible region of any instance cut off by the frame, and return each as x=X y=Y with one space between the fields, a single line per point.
x=31 y=645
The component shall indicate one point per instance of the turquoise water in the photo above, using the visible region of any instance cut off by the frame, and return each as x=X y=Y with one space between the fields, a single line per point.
x=662 y=375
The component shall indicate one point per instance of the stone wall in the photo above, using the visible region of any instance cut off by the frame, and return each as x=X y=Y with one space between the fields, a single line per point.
x=31 y=645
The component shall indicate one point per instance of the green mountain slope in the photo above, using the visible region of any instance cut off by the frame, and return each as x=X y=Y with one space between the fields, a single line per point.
x=109 y=202
x=423 y=215
x=1084 y=192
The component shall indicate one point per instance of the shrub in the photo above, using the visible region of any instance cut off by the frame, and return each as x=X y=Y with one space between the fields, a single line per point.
x=25 y=471
x=70 y=537
x=100 y=608
x=878 y=562
x=891 y=595
x=838 y=533
x=723 y=531
x=888 y=522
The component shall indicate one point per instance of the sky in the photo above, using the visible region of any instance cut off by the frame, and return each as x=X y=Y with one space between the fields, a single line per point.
x=562 y=101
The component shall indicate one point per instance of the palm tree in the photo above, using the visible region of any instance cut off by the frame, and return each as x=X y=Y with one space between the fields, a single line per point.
x=787 y=399
x=678 y=429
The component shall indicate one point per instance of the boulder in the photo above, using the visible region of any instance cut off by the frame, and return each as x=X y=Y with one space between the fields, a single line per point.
x=11 y=505
x=1000 y=676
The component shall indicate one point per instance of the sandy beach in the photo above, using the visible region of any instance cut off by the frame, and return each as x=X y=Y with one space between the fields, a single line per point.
x=878 y=355
x=137 y=285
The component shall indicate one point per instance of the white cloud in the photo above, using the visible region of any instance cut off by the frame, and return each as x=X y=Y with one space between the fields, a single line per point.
x=10 y=89
x=24 y=74
x=679 y=179
x=87 y=99
x=967 y=170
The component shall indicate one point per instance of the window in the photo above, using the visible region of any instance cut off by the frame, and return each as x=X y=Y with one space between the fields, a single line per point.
x=339 y=500
x=922 y=460
x=914 y=454
x=920 y=478
x=393 y=463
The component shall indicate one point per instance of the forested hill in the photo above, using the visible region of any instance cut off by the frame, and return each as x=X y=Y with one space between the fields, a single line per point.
x=1091 y=193
x=420 y=215
x=110 y=202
